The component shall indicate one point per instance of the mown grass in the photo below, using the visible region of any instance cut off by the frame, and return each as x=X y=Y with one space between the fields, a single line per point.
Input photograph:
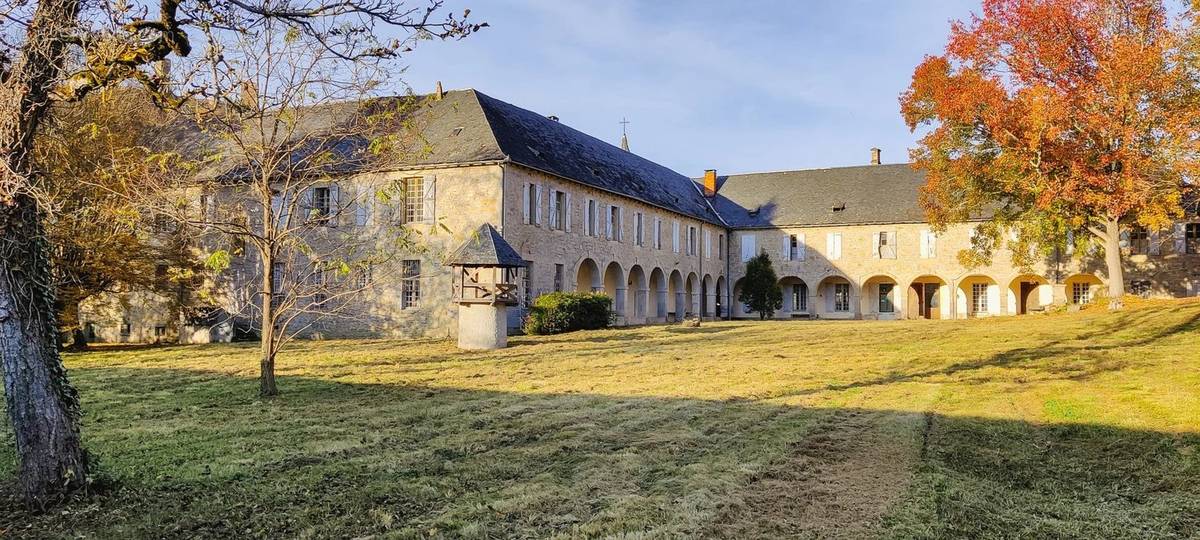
x=1080 y=425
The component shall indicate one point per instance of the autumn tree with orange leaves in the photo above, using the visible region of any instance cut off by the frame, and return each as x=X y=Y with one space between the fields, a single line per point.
x=1062 y=121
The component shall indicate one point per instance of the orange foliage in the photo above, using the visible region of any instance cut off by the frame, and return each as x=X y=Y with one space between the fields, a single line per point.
x=1074 y=110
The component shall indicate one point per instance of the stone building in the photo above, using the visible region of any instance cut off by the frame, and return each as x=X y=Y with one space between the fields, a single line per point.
x=589 y=216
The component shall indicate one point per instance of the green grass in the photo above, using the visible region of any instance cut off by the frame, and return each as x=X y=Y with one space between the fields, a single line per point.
x=1081 y=425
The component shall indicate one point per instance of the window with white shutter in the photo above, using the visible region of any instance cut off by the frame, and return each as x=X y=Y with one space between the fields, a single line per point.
x=707 y=244
x=747 y=241
x=639 y=231
x=657 y=233
x=833 y=246
x=801 y=248
x=675 y=236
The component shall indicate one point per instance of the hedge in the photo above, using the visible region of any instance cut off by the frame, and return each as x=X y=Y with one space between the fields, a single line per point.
x=559 y=312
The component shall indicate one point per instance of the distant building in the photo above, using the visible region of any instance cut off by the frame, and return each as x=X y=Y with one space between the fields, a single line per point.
x=847 y=242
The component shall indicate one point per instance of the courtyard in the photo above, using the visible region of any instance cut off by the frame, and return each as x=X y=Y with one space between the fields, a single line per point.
x=1067 y=425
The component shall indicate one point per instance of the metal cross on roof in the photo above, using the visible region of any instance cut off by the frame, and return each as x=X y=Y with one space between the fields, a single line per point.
x=624 y=123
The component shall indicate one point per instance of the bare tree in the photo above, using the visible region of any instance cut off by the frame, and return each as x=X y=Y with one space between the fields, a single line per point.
x=115 y=41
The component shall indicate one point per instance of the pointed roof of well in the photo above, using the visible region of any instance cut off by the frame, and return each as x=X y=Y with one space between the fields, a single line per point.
x=486 y=248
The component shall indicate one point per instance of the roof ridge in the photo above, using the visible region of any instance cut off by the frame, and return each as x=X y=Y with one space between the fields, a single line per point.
x=816 y=169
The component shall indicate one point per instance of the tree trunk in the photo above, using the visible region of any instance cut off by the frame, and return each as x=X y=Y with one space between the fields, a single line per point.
x=266 y=376
x=1112 y=259
x=42 y=406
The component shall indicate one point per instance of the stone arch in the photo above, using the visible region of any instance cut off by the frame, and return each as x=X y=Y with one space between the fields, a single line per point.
x=675 y=296
x=614 y=287
x=882 y=298
x=797 y=296
x=1029 y=292
x=638 y=297
x=736 y=307
x=587 y=276
x=658 y=287
x=691 y=289
x=837 y=297
x=929 y=298
x=1082 y=288
x=978 y=295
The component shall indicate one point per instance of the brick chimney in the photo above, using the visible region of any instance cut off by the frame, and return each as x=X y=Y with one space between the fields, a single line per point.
x=875 y=157
x=710 y=183
x=437 y=92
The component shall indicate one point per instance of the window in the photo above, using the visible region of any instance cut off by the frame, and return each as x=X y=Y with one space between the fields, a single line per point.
x=885 y=244
x=841 y=297
x=639 y=238
x=885 y=298
x=928 y=244
x=1192 y=238
x=720 y=247
x=321 y=199
x=159 y=332
x=613 y=231
x=319 y=300
x=1139 y=241
x=707 y=244
x=533 y=204
x=800 y=298
x=795 y=249
x=410 y=290
x=160 y=271
x=675 y=236
x=592 y=219
x=362 y=212
x=691 y=241
x=558 y=210
x=126 y=330
x=1081 y=293
x=162 y=224
x=362 y=277
x=414 y=200
x=833 y=246
x=657 y=233
x=749 y=250
x=558 y=278
x=979 y=298
x=1140 y=287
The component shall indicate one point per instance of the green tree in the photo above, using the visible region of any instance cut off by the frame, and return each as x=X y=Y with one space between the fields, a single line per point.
x=760 y=287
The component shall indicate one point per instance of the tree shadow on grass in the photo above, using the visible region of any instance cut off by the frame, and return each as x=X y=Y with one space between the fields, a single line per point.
x=196 y=454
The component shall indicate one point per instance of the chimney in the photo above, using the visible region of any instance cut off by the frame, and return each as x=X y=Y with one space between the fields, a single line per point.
x=875 y=157
x=552 y=117
x=710 y=183
x=437 y=92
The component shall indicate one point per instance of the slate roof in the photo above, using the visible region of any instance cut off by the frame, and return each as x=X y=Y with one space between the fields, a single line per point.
x=486 y=248
x=869 y=194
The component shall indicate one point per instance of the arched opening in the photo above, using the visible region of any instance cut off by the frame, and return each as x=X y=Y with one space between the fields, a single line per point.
x=675 y=297
x=614 y=287
x=708 y=296
x=978 y=296
x=719 y=305
x=736 y=307
x=796 y=297
x=692 y=295
x=638 y=295
x=587 y=278
x=1029 y=293
x=928 y=295
x=882 y=298
x=658 y=284
x=1083 y=288
x=837 y=298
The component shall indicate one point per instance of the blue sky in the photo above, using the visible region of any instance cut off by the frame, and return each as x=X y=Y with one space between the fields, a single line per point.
x=737 y=86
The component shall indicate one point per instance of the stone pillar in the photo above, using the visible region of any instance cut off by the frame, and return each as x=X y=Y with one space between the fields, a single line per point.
x=660 y=305
x=482 y=326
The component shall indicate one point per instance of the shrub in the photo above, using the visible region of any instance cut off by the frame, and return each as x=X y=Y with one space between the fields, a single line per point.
x=559 y=312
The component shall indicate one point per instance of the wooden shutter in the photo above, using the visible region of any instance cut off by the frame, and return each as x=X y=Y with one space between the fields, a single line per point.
x=785 y=251
x=675 y=236
x=335 y=206
x=707 y=244
x=567 y=212
x=875 y=243
x=552 y=204
x=525 y=202
x=620 y=224
x=537 y=204
x=429 y=212
x=801 y=247
x=748 y=247
x=1180 y=238
x=892 y=245
x=1155 y=243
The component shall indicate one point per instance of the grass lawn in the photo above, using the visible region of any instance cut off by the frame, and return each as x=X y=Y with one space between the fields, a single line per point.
x=1082 y=425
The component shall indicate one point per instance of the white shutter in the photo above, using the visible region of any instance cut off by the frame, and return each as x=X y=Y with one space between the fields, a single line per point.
x=933 y=239
x=335 y=206
x=568 y=211
x=306 y=205
x=537 y=215
x=924 y=244
x=675 y=236
x=525 y=202
x=429 y=212
x=620 y=224
x=1180 y=238
x=875 y=243
x=785 y=250
x=1124 y=239
x=801 y=247
x=707 y=244
x=893 y=245
x=279 y=208
x=747 y=247
x=1155 y=243
x=552 y=203
x=362 y=211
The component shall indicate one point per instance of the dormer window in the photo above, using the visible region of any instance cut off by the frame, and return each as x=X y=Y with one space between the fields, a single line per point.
x=840 y=207
x=754 y=213
x=457 y=131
